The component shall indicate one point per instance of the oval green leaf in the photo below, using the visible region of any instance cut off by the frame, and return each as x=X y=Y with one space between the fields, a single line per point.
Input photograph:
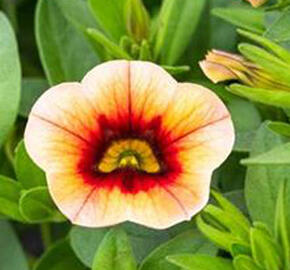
x=10 y=78
x=36 y=206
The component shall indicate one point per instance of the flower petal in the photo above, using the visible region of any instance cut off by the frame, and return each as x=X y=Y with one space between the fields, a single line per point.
x=151 y=90
x=87 y=205
x=107 y=87
x=60 y=128
x=194 y=108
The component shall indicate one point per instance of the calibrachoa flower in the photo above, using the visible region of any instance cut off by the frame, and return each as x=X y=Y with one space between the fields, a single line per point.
x=129 y=143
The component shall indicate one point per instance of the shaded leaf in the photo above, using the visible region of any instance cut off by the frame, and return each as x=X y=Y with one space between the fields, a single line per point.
x=113 y=49
x=280 y=128
x=247 y=119
x=201 y=262
x=272 y=97
x=32 y=88
x=263 y=181
x=279 y=155
x=110 y=16
x=243 y=262
x=59 y=257
x=265 y=250
x=27 y=172
x=244 y=17
x=36 y=206
x=12 y=256
x=10 y=77
x=188 y=242
x=85 y=241
x=115 y=252
x=279 y=30
x=61 y=46
x=178 y=20
x=10 y=191
x=282 y=232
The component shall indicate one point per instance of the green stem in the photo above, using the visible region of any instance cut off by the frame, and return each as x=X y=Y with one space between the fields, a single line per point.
x=8 y=147
x=46 y=235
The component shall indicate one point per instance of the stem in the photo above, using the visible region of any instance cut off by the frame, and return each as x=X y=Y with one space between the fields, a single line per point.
x=45 y=235
x=8 y=147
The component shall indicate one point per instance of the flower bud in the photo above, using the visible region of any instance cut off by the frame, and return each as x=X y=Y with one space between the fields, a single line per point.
x=221 y=66
x=137 y=19
x=257 y=3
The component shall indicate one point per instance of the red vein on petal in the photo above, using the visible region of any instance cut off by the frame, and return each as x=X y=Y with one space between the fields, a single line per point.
x=84 y=203
x=129 y=98
x=173 y=196
x=198 y=128
x=61 y=127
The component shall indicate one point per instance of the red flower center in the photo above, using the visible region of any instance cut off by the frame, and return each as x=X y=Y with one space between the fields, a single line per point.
x=134 y=156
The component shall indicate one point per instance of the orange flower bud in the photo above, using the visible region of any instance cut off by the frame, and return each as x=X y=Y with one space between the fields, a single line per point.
x=257 y=3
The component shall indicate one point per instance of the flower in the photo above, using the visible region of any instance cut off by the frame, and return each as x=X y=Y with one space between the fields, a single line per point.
x=129 y=143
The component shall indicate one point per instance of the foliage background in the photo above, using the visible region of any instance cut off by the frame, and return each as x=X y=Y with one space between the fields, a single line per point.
x=53 y=47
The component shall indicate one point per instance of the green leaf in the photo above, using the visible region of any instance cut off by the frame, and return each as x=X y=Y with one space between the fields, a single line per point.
x=144 y=240
x=222 y=34
x=243 y=262
x=178 y=20
x=10 y=191
x=238 y=249
x=174 y=70
x=110 y=16
x=201 y=262
x=145 y=51
x=10 y=78
x=272 y=97
x=268 y=44
x=280 y=128
x=5 y=165
x=279 y=31
x=113 y=49
x=36 y=206
x=188 y=242
x=228 y=207
x=237 y=198
x=263 y=181
x=32 y=88
x=59 y=257
x=85 y=241
x=282 y=232
x=27 y=172
x=265 y=250
x=273 y=65
x=221 y=238
x=12 y=256
x=230 y=221
x=279 y=155
x=115 y=252
x=61 y=46
x=244 y=17
x=229 y=170
x=247 y=119
x=78 y=13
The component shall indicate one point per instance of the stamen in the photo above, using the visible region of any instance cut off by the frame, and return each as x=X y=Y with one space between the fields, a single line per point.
x=131 y=153
x=129 y=161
